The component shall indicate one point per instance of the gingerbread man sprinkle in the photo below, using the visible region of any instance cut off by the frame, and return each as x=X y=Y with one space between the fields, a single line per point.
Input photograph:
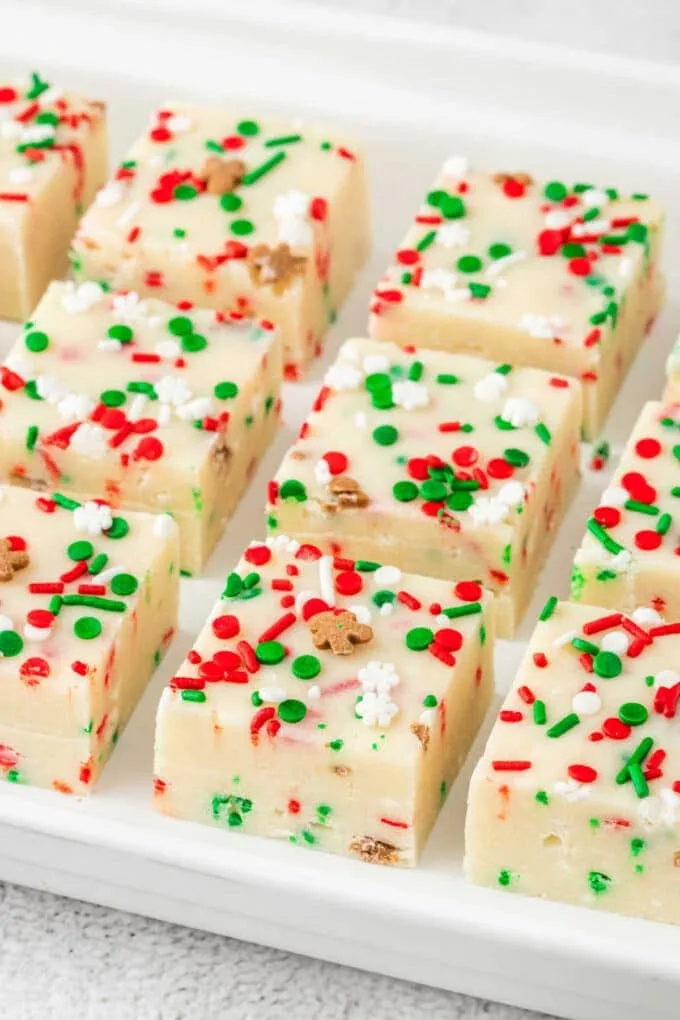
x=11 y=560
x=276 y=266
x=222 y=176
x=338 y=631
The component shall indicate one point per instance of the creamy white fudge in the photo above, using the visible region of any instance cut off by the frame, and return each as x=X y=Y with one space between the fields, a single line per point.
x=443 y=464
x=630 y=553
x=236 y=214
x=53 y=157
x=328 y=702
x=560 y=276
x=88 y=605
x=146 y=405
x=577 y=795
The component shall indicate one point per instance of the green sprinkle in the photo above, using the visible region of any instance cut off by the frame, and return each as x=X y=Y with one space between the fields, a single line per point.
x=504 y=369
x=637 y=845
x=241 y=228
x=467 y=609
x=504 y=878
x=112 y=398
x=124 y=584
x=540 y=713
x=415 y=372
x=11 y=643
x=499 y=250
x=637 y=232
x=607 y=665
x=555 y=191
x=516 y=457
x=180 y=325
x=249 y=128
x=382 y=596
x=233 y=587
x=264 y=168
x=366 y=566
x=602 y=537
x=433 y=491
x=120 y=332
x=385 y=435
x=185 y=192
x=641 y=508
x=459 y=500
x=637 y=778
x=255 y=699
x=31 y=437
x=36 y=342
x=98 y=563
x=38 y=86
x=419 y=638
x=663 y=524
x=563 y=725
x=598 y=882
x=65 y=501
x=446 y=379
x=196 y=696
x=94 y=602
x=80 y=550
x=179 y=233
x=270 y=653
x=637 y=758
x=452 y=207
x=87 y=627
x=336 y=745
x=548 y=609
x=543 y=433
x=282 y=140
x=305 y=667
x=225 y=390
x=426 y=240
x=230 y=202
x=469 y=264
x=542 y=798
x=291 y=710
x=193 y=342
x=119 y=528
x=479 y=290
x=293 y=489
x=405 y=491
x=430 y=701
x=583 y=645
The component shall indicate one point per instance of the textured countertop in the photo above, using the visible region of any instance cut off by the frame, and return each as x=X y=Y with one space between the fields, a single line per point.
x=64 y=959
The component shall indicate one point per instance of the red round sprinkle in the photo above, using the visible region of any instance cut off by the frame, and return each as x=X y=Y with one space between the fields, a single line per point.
x=648 y=448
x=418 y=468
x=112 y=418
x=308 y=552
x=468 y=591
x=615 y=729
x=149 y=448
x=232 y=142
x=8 y=94
x=48 y=506
x=40 y=618
x=226 y=661
x=258 y=555
x=648 y=540
x=79 y=667
x=582 y=773
x=449 y=638
x=35 y=666
x=312 y=607
x=513 y=188
x=407 y=256
x=235 y=250
x=638 y=488
x=549 y=242
x=318 y=209
x=16 y=543
x=160 y=134
x=465 y=456
x=212 y=671
x=225 y=627
x=499 y=468
x=349 y=582
x=193 y=656
x=294 y=807
x=431 y=509
x=337 y=462
x=579 y=266
x=607 y=516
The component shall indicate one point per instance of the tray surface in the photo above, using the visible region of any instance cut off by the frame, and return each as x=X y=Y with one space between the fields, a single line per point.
x=426 y=924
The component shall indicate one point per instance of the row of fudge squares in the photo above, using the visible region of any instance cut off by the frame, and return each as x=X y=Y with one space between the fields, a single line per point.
x=270 y=218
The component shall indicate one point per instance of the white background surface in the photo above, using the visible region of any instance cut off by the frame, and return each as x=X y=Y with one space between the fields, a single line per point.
x=64 y=959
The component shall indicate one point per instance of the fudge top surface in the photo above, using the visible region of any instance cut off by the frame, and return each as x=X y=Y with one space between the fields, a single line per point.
x=591 y=716
x=452 y=437
x=334 y=654
x=209 y=182
x=101 y=374
x=71 y=575
x=550 y=259
x=41 y=127
x=633 y=524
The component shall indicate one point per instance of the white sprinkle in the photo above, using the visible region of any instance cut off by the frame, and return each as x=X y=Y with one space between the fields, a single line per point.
x=292 y=204
x=172 y=389
x=387 y=608
x=488 y=510
x=81 y=297
x=362 y=613
x=128 y=214
x=164 y=415
x=295 y=232
x=107 y=575
x=32 y=633
x=438 y=279
x=90 y=441
x=322 y=472
x=428 y=717
x=273 y=694
x=615 y=641
x=497 y=267
x=565 y=639
x=376 y=709
x=614 y=495
x=379 y=676
x=645 y=616
x=313 y=693
x=137 y=406
x=572 y=791
x=594 y=198
x=111 y=194
x=326 y=584
x=666 y=678
x=22 y=366
x=541 y=327
x=197 y=408
x=586 y=703
x=555 y=219
x=168 y=350
x=376 y=363
x=109 y=345
x=412 y=396
x=343 y=377
x=626 y=267
x=129 y=307
x=490 y=387
x=456 y=167
x=520 y=412
x=301 y=598
x=453 y=235
x=92 y=518
x=163 y=526
x=360 y=420
x=20 y=175
x=6 y=623
x=511 y=493
x=178 y=123
x=387 y=576
x=75 y=406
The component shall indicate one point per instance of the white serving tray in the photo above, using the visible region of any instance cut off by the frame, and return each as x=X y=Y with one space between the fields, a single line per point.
x=415 y=95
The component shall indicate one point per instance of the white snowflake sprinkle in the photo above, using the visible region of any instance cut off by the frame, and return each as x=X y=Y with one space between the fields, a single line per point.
x=81 y=297
x=378 y=676
x=511 y=493
x=520 y=412
x=291 y=204
x=75 y=407
x=92 y=518
x=343 y=377
x=488 y=510
x=572 y=791
x=438 y=279
x=541 y=327
x=129 y=307
x=376 y=709
x=168 y=350
x=90 y=441
x=453 y=235
x=172 y=389
x=490 y=387
x=376 y=363
x=50 y=389
x=410 y=395
x=594 y=198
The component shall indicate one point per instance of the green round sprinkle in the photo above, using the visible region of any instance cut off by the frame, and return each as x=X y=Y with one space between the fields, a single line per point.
x=193 y=342
x=291 y=710
x=452 y=207
x=382 y=596
x=119 y=528
x=607 y=665
x=637 y=232
x=430 y=701
x=293 y=489
x=405 y=491
x=248 y=128
x=11 y=643
x=385 y=435
x=241 y=227
x=633 y=713
x=436 y=198
x=81 y=550
x=433 y=491
x=124 y=584
x=419 y=638
x=180 y=325
x=573 y=251
x=270 y=653
x=499 y=250
x=377 y=381
x=555 y=191
x=123 y=334
x=185 y=192
x=231 y=202
x=382 y=399
x=516 y=457
x=87 y=627
x=36 y=342
x=112 y=398
x=305 y=667
x=225 y=390
x=459 y=500
x=469 y=264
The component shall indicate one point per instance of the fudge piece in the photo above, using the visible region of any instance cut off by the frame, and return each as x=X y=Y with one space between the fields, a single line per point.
x=327 y=702
x=443 y=464
x=672 y=392
x=148 y=406
x=577 y=795
x=88 y=607
x=630 y=553
x=53 y=157
x=561 y=277
x=234 y=213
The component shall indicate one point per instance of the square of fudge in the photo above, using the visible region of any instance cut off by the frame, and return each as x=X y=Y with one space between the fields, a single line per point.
x=328 y=702
x=443 y=464
x=577 y=795
x=560 y=276
x=148 y=406
x=88 y=605
x=232 y=212
x=630 y=553
x=53 y=157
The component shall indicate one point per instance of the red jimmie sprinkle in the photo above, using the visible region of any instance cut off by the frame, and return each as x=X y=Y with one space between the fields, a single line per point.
x=510 y=766
x=278 y=627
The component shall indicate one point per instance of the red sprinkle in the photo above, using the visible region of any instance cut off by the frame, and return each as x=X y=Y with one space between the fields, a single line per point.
x=408 y=600
x=582 y=773
x=506 y=715
x=248 y=655
x=281 y=625
x=540 y=660
x=510 y=766
x=648 y=448
x=258 y=555
x=527 y=695
x=602 y=623
x=225 y=627
x=349 y=582
x=337 y=462
x=468 y=591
